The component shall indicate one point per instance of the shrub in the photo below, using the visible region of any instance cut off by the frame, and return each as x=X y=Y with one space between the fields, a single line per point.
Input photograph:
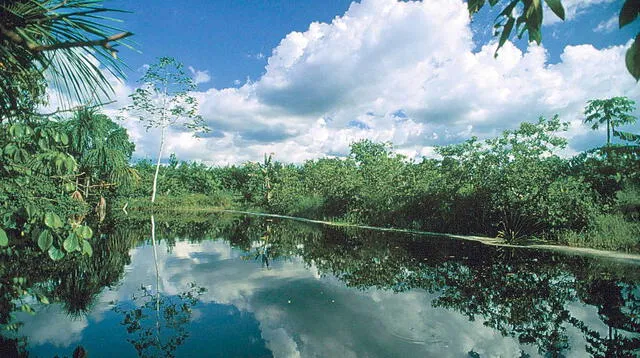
x=609 y=232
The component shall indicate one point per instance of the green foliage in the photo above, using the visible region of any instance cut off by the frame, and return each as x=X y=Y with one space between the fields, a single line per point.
x=58 y=42
x=613 y=112
x=608 y=168
x=4 y=240
x=103 y=150
x=525 y=16
x=608 y=232
x=164 y=100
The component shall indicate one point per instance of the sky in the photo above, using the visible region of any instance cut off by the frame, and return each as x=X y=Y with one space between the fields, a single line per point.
x=304 y=79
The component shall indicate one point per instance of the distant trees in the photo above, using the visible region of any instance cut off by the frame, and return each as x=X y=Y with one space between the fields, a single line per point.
x=613 y=112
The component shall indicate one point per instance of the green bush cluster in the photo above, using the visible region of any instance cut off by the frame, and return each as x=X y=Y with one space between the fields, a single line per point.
x=513 y=186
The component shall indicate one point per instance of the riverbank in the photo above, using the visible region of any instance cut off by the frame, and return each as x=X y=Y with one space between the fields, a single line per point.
x=535 y=244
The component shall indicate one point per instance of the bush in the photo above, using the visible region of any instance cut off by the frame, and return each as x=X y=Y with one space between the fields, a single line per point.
x=609 y=232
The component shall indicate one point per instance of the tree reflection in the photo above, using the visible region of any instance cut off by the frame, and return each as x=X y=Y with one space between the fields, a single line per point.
x=525 y=294
x=519 y=293
x=158 y=324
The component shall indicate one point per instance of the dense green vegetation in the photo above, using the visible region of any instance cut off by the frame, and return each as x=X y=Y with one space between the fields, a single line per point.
x=62 y=172
x=515 y=186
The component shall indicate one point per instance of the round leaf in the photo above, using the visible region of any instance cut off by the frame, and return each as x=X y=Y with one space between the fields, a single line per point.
x=52 y=220
x=45 y=240
x=4 y=240
x=55 y=253
x=71 y=243
x=84 y=232
x=86 y=248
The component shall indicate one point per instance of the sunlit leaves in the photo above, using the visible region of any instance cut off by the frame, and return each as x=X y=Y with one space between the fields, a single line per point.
x=45 y=240
x=86 y=248
x=71 y=243
x=52 y=220
x=84 y=232
x=55 y=254
x=4 y=240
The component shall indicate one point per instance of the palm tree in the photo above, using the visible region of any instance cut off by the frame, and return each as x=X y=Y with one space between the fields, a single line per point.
x=102 y=149
x=614 y=112
x=61 y=42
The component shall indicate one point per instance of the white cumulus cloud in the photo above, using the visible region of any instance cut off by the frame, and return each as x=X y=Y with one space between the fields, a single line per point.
x=397 y=71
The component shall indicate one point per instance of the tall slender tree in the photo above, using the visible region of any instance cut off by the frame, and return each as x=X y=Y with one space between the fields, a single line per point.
x=164 y=100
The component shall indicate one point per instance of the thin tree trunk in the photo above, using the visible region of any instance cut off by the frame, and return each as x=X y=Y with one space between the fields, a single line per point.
x=86 y=187
x=155 y=260
x=613 y=129
x=155 y=177
x=608 y=133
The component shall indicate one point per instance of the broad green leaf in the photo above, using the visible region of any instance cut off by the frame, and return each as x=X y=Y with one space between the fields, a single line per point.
x=86 y=248
x=55 y=254
x=52 y=220
x=629 y=12
x=84 y=232
x=71 y=243
x=632 y=58
x=45 y=240
x=4 y=240
x=556 y=7
x=10 y=149
x=44 y=299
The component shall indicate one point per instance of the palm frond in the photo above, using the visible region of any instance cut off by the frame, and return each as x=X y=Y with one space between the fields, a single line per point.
x=62 y=42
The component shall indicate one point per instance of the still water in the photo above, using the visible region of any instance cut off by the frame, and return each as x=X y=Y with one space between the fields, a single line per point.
x=240 y=286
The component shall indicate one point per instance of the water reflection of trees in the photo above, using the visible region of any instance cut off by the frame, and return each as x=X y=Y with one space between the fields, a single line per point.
x=528 y=295
x=158 y=325
x=524 y=294
x=74 y=281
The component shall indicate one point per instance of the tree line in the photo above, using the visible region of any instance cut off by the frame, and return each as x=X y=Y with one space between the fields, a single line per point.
x=514 y=186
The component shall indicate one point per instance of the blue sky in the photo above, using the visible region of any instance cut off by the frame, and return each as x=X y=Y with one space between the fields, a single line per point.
x=230 y=39
x=306 y=78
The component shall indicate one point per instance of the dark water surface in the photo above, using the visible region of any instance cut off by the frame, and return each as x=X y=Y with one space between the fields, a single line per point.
x=239 y=286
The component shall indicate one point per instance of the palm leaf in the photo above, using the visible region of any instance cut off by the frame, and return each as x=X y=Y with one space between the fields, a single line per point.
x=66 y=43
